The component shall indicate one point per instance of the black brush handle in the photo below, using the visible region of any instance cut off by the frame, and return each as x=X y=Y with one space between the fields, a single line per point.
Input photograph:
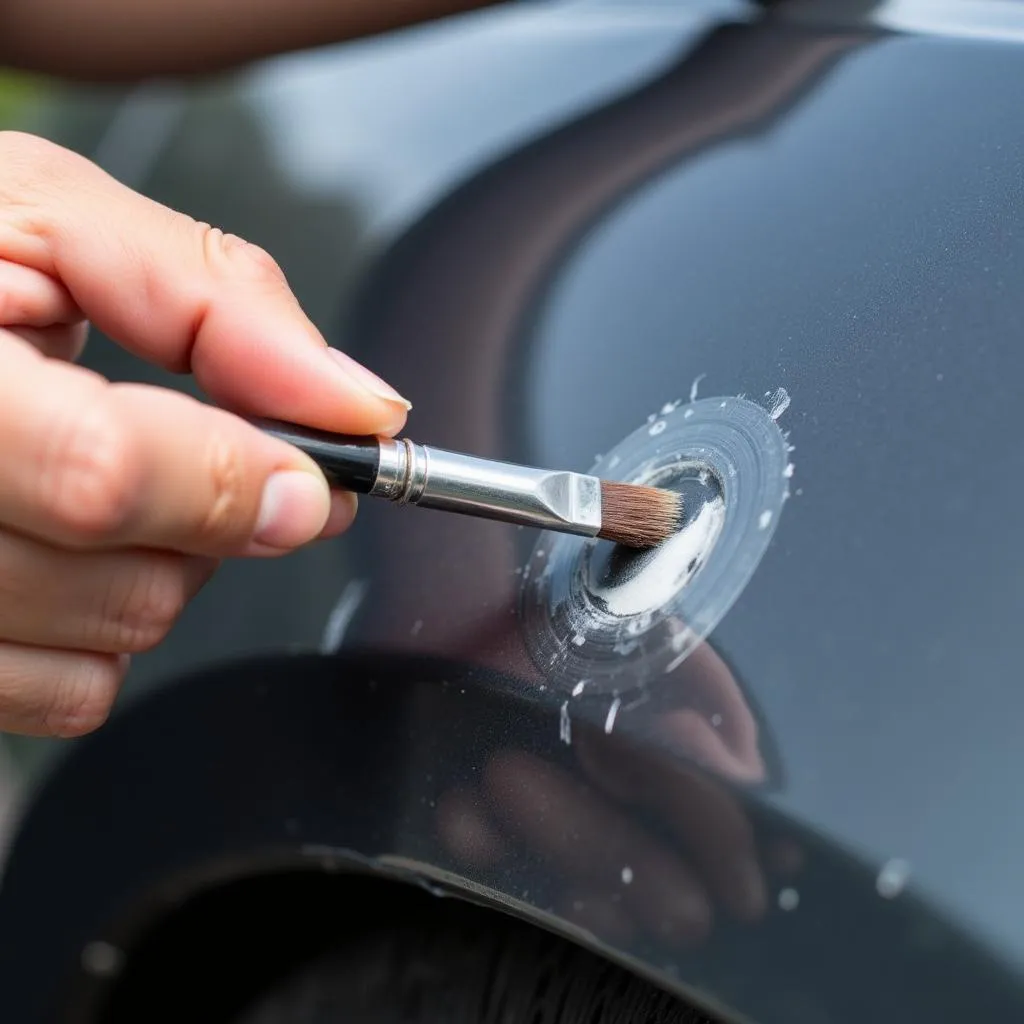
x=348 y=462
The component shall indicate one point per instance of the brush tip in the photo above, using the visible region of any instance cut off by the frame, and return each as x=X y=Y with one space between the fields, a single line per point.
x=637 y=516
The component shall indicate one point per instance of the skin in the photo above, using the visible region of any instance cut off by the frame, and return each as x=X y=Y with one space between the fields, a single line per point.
x=117 y=501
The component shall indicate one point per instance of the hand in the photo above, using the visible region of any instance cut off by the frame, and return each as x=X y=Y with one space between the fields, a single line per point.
x=118 y=500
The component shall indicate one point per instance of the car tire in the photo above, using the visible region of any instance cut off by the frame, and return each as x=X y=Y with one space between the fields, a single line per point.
x=485 y=969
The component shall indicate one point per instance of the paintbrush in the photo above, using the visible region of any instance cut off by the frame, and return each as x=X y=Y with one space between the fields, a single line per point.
x=404 y=472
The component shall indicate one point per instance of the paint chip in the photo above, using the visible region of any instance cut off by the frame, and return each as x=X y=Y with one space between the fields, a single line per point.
x=778 y=402
x=764 y=519
x=627 y=875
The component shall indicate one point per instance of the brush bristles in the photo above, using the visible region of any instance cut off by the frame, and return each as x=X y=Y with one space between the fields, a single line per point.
x=638 y=517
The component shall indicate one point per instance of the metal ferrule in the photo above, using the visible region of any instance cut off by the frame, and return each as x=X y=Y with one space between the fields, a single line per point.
x=433 y=478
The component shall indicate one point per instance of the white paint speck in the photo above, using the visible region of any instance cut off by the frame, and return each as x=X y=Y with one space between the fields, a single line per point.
x=716 y=720
x=778 y=402
x=579 y=687
x=789 y=899
x=627 y=875
x=657 y=428
x=670 y=407
x=341 y=616
x=579 y=639
x=687 y=413
x=609 y=722
x=564 y=725
x=764 y=519
x=695 y=385
x=102 y=959
x=652 y=417
x=789 y=471
x=893 y=878
x=416 y=627
x=799 y=491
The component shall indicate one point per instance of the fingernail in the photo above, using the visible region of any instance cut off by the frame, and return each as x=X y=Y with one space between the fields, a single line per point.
x=368 y=379
x=293 y=511
x=344 y=506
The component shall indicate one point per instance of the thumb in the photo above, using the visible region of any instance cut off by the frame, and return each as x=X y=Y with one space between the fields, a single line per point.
x=181 y=294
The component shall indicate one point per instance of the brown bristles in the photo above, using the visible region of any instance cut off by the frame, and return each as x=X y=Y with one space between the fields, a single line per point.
x=638 y=517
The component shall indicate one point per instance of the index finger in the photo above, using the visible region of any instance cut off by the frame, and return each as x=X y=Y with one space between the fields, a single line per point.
x=181 y=294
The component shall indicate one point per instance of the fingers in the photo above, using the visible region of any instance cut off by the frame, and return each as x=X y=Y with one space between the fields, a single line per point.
x=107 y=603
x=56 y=693
x=29 y=298
x=40 y=310
x=708 y=819
x=87 y=464
x=595 y=845
x=180 y=294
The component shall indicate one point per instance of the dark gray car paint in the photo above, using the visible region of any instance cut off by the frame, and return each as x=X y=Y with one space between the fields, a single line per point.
x=776 y=204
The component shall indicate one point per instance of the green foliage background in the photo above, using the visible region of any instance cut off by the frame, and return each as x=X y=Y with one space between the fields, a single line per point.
x=20 y=95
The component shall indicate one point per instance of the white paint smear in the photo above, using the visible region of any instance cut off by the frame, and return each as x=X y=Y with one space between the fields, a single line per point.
x=663 y=577
x=609 y=722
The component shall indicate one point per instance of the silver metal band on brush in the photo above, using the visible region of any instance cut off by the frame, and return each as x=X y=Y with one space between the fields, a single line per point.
x=414 y=474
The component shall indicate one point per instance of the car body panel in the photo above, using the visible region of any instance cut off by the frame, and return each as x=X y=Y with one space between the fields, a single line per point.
x=811 y=818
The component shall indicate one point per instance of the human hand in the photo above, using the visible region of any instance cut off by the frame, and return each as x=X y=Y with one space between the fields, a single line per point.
x=118 y=500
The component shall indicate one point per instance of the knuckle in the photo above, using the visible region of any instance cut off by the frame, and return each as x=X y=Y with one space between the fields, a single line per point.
x=141 y=611
x=224 y=470
x=83 y=697
x=228 y=254
x=89 y=476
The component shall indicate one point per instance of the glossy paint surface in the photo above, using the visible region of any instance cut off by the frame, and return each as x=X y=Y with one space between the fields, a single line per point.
x=813 y=817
